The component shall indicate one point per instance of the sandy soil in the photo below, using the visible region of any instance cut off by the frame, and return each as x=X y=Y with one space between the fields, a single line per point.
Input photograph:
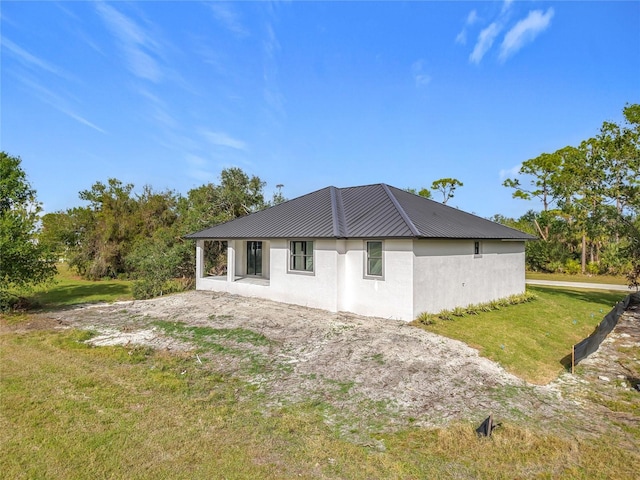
x=369 y=366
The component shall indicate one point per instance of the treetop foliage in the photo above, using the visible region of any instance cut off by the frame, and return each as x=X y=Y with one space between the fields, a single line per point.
x=590 y=195
x=123 y=234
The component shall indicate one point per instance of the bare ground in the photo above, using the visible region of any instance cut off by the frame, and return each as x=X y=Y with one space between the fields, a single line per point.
x=373 y=371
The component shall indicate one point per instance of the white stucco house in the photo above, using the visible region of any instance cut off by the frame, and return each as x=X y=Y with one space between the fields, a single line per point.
x=373 y=250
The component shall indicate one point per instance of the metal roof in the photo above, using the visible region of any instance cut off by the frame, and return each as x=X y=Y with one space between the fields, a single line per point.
x=369 y=211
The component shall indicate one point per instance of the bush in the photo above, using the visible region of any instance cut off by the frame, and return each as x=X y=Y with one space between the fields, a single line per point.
x=426 y=318
x=614 y=260
x=593 y=268
x=10 y=302
x=572 y=266
x=144 y=289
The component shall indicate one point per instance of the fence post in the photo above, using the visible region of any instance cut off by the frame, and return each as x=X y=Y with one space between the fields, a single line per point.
x=573 y=357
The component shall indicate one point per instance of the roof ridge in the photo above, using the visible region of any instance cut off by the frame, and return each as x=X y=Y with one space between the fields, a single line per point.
x=337 y=213
x=401 y=211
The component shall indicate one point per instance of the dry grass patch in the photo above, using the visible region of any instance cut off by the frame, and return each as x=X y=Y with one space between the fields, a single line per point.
x=70 y=410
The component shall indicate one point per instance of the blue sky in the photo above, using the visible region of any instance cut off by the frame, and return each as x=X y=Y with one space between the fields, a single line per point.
x=308 y=94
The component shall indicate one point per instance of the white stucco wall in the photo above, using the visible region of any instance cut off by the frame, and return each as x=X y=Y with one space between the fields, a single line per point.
x=419 y=276
x=448 y=274
x=389 y=296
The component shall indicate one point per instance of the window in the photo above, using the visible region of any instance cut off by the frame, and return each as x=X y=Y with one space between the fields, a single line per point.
x=477 y=251
x=374 y=259
x=301 y=256
x=254 y=258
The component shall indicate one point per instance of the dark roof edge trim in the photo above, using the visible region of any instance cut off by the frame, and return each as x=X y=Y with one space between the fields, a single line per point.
x=401 y=211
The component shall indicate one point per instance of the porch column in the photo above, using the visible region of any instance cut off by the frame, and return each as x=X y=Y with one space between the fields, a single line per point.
x=231 y=260
x=200 y=259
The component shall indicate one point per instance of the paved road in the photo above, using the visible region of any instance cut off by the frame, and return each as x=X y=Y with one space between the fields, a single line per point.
x=591 y=286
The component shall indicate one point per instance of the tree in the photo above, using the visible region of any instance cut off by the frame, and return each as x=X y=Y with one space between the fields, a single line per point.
x=423 y=192
x=24 y=262
x=166 y=255
x=587 y=193
x=278 y=196
x=446 y=186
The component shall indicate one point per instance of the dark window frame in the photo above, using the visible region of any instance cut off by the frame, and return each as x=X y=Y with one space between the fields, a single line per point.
x=377 y=258
x=301 y=256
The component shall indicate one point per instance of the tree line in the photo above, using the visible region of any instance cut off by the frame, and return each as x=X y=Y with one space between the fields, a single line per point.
x=588 y=222
x=118 y=233
x=589 y=203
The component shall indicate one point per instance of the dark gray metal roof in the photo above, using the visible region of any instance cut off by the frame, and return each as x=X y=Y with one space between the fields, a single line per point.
x=369 y=211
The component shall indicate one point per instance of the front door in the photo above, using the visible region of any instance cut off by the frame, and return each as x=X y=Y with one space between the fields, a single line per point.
x=254 y=258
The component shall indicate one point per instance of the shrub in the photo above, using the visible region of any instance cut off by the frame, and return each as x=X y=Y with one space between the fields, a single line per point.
x=426 y=318
x=555 y=267
x=572 y=266
x=593 y=268
x=445 y=315
x=472 y=309
x=144 y=289
x=459 y=312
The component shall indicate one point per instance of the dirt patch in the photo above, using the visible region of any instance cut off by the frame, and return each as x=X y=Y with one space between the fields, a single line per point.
x=607 y=383
x=376 y=368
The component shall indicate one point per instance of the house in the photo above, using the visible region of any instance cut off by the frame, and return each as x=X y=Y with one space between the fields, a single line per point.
x=372 y=250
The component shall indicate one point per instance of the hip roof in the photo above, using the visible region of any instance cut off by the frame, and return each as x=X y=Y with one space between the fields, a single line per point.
x=368 y=211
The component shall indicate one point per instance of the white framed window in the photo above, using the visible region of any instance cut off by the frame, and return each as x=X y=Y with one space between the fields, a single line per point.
x=374 y=259
x=477 y=249
x=301 y=256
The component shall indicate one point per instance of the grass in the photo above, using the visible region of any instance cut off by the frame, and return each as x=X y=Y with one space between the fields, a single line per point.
x=69 y=289
x=565 y=277
x=532 y=340
x=74 y=411
x=68 y=410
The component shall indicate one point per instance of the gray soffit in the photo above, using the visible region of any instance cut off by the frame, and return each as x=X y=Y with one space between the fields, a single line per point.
x=369 y=211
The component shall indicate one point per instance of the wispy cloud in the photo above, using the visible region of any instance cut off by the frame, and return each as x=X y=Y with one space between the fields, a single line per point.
x=56 y=101
x=271 y=92
x=509 y=172
x=30 y=60
x=222 y=139
x=420 y=78
x=139 y=46
x=525 y=31
x=506 y=5
x=472 y=18
x=485 y=41
x=197 y=168
x=228 y=17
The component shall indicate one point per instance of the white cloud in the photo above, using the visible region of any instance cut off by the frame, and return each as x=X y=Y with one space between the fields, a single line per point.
x=56 y=101
x=472 y=18
x=228 y=17
x=31 y=60
x=506 y=6
x=510 y=172
x=222 y=139
x=525 y=31
x=138 y=46
x=484 y=43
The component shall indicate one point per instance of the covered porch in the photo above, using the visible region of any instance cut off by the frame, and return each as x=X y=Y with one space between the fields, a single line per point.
x=233 y=261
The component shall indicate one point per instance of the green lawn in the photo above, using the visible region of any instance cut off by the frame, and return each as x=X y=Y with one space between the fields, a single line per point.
x=69 y=410
x=533 y=340
x=565 y=277
x=69 y=289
